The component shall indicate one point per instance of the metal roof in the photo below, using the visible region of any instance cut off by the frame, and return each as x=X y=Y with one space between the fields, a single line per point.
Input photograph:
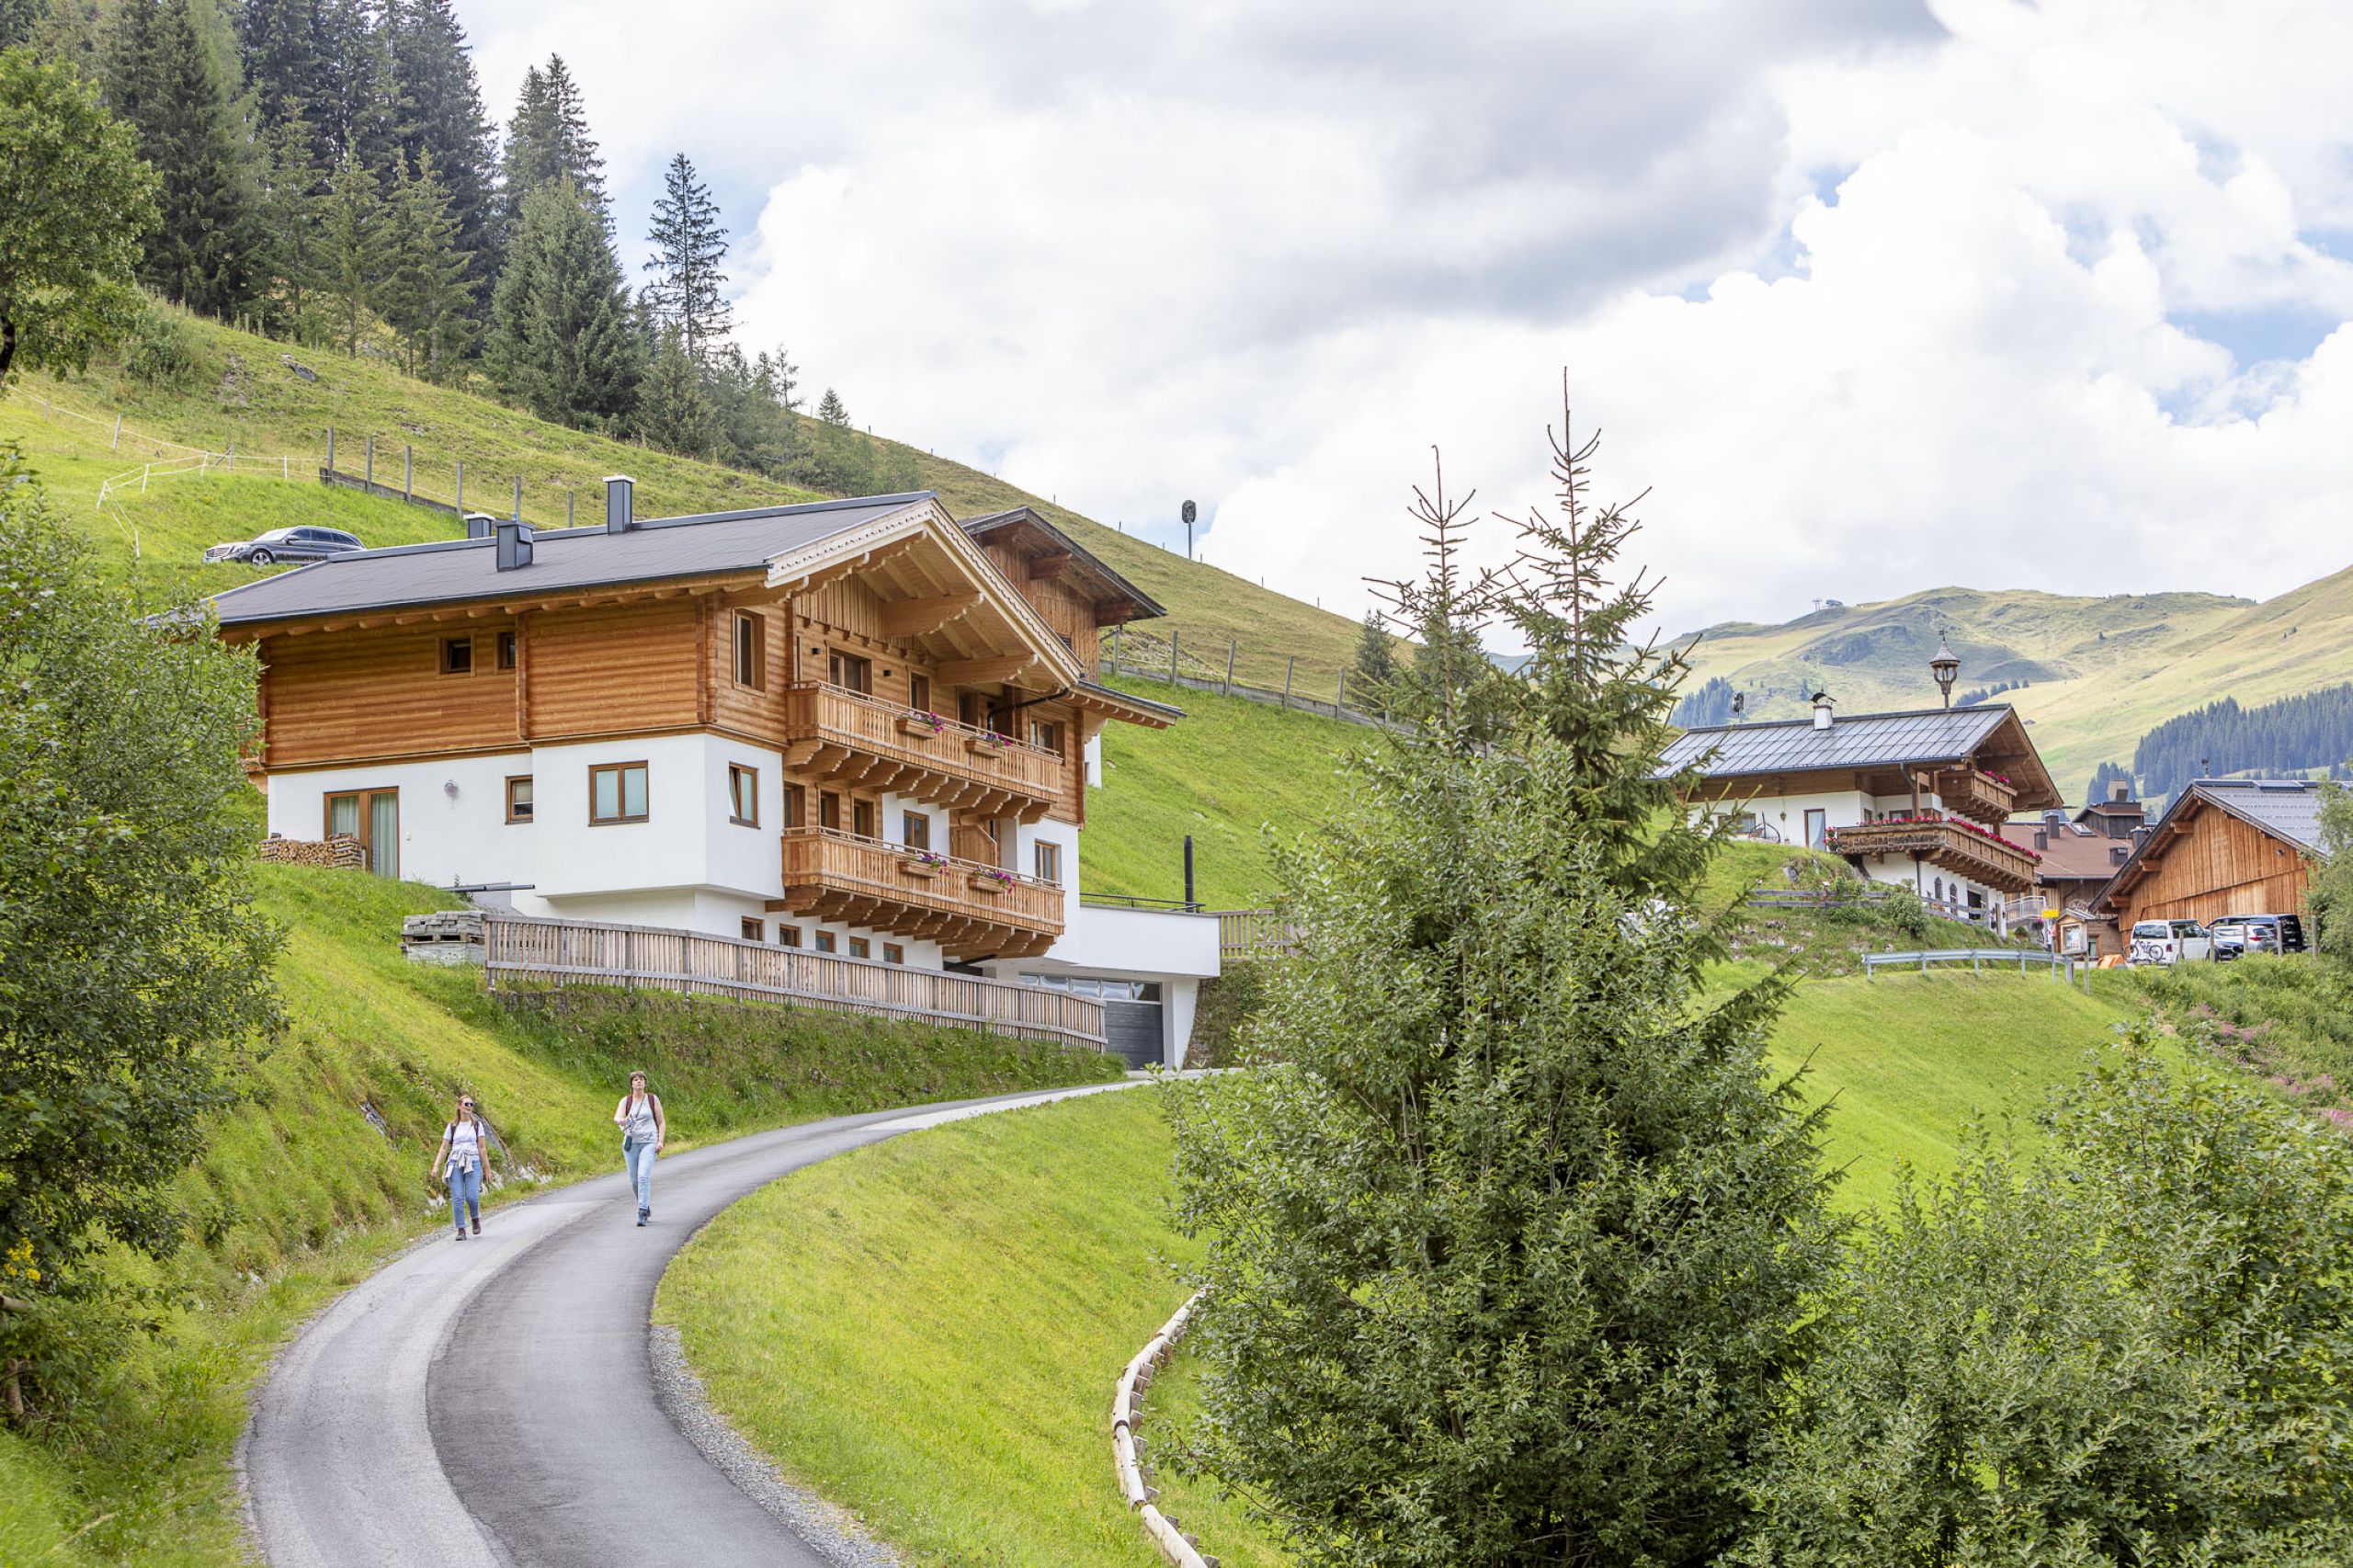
x=459 y=570
x=991 y=522
x=1863 y=740
x=2288 y=808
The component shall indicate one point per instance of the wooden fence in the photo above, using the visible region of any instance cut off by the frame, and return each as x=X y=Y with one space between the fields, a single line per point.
x=522 y=950
x=1252 y=933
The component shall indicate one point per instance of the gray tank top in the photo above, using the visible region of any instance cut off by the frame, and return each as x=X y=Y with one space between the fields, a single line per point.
x=640 y=1126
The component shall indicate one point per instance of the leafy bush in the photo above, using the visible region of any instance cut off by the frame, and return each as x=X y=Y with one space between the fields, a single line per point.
x=1907 y=912
x=161 y=354
x=2133 y=1349
x=2290 y=1019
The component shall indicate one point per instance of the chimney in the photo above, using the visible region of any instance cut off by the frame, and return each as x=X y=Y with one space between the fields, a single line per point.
x=2118 y=791
x=513 y=543
x=2041 y=839
x=618 y=517
x=2118 y=854
x=478 y=525
x=1822 y=711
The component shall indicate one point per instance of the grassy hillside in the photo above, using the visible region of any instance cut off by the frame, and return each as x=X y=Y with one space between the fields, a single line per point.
x=239 y=389
x=299 y=1193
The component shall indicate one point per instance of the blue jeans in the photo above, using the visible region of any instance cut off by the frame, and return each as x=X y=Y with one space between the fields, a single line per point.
x=638 y=1160
x=465 y=1193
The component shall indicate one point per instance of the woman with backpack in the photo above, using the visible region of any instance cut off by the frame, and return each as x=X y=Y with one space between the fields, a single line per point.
x=638 y=1115
x=465 y=1151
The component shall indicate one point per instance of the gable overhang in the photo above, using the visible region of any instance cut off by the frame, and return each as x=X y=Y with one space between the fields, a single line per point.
x=369 y=618
x=975 y=604
x=2179 y=821
x=1053 y=553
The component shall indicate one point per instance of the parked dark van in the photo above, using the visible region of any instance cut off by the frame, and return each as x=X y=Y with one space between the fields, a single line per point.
x=2235 y=935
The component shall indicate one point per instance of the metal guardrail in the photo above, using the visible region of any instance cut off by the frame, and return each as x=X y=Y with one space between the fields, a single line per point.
x=2026 y=959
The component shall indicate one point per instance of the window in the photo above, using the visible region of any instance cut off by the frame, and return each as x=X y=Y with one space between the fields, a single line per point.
x=795 y=805
x=1048 y=733
x=616 y=793
x=788 y=936
x=824 y=941
x=457 y=655
x=918 y=692
x=1816 y=817
x=857 y=947
x=1048 y=857
x=914 y=830
x=751 y=651
x=829 y=809
x=373 y=817
x=754 y=930
x=861 y=818
x=893 y=953
x=519 y=798
x=507 y=650
x=850 y=672
x=744 y=794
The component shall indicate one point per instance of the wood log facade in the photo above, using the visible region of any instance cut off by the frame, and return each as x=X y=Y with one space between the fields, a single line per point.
x=2202 y=863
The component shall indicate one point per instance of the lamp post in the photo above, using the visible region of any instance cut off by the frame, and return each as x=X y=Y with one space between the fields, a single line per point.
x=1945 y=667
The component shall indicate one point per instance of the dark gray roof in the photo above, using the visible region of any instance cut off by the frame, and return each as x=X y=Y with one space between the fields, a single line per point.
x=460 y=570
x=990 y=522
x=1130 y=696
x=2285 y=807
x=1863 y=740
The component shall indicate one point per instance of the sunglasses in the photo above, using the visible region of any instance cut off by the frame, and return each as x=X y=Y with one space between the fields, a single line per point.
x=465 y=1105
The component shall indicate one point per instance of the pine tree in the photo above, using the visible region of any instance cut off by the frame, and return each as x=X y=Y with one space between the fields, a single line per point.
x=20 y=21
x=1376 y=663
x=548 y=141
x=283 y=43
x=831 y=409
x=166 y=79
x=562 y=337
x=353 y=112
x=426 y=296
x=288 y=208
x=674 y=411
x=352 y=246
x=437 y=111
x=689 y=243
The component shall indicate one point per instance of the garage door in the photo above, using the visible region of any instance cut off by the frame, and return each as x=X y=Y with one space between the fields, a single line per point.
x=1132 y=1032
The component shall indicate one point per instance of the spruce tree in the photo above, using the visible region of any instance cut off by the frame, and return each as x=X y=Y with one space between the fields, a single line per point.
x=166 y=81
x=20 y=21
x=831 y=409
x=354 y=111
x=288 y=206
x=689 y=243
x=437 y=112
x=562 y=338
x=674 y=410
x=548 y=141
x=1513 y=1237
x=426 y=296
x=283 y=43
x=353 y=250
x=1376 y=663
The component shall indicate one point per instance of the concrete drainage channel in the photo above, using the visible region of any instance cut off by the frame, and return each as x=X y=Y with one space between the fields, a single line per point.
x=1128 y=1444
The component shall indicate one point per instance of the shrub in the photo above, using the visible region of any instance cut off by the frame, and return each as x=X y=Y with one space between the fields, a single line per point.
x=162 y=353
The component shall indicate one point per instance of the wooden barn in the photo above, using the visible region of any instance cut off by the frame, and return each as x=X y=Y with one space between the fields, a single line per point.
x=2224 y=846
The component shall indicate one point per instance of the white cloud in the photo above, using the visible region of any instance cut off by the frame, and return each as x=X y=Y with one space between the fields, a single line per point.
x=1266 y=255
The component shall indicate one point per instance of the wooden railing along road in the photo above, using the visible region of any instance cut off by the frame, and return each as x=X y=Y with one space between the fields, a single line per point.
x=522 y=949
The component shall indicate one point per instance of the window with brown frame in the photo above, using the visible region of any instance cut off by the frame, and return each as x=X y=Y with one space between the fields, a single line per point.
x=519 y=798
x=787 y=936
x=616 y=793
x=744 y=794
x=829 y=809
x=919 y=692
x=751 y=651
x=1048 y=733
x=914 y=830
x=861 y=818
x=850 y=672
x=796 y=805
x=507 y=650
x=893 y=953
x=859 y=947
x=1048 y=858
x=754 y=930
x=457 y=655
x=824 y=941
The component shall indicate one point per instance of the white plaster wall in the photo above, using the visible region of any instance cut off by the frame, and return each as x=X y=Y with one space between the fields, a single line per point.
x=444 y=838
x=1021 y=856
x=1094 y=754
x=1138 y=942
x=1786 y=813
x=670 y=849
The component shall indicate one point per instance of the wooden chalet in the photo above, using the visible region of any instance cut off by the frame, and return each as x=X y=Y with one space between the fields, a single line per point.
x=2223 y=846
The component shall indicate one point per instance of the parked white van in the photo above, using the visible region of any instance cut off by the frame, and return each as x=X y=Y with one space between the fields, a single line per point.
x=2170 y=941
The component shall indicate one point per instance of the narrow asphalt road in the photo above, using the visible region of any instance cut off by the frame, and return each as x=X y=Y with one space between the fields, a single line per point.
x=492 y=1402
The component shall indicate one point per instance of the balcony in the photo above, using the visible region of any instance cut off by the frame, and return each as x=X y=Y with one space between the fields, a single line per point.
x=973 y=910
x=1944 y=842
x=1977 y=795
x=840 y=737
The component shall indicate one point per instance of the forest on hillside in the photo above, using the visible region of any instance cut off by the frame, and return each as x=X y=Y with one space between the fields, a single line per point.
x=2294 y=734
x=327 y=174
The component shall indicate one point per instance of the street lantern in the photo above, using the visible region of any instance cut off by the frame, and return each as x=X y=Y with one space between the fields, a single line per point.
x=1945 y=667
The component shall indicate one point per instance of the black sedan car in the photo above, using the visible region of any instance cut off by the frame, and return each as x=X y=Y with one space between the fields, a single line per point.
x=287 y=544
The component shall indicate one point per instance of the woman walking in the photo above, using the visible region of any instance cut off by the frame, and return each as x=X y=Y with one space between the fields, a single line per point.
x=465 y=1150
x=638 y=1115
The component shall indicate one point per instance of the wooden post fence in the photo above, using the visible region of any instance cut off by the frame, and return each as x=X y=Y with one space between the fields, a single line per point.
x=1290 y=665
x=1229 y=666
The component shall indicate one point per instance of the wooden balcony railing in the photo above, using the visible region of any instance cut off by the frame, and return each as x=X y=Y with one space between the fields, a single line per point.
x=1940 y=841
x=521 y=950
x=971 y=909
x=1975 y=795
x=845 y=737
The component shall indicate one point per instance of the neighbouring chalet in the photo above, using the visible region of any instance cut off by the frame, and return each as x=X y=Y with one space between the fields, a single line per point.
x=1914 y=797
x=2223 y=846
x=858 y=727
x=2078 y=856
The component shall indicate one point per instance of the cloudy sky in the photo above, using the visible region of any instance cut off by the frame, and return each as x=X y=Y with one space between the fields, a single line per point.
x=1873 y=297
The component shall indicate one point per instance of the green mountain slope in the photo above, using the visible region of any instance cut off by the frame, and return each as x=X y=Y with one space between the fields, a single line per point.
x=243 y=390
